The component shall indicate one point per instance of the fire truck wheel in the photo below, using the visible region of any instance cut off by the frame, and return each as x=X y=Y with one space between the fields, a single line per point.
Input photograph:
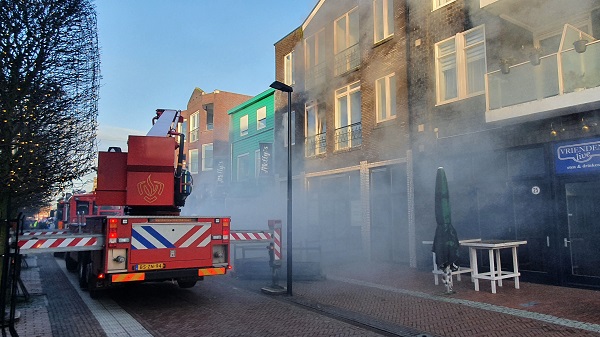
x=186 y=283
x=92 y=287
x=83 y=275
x=70 y=263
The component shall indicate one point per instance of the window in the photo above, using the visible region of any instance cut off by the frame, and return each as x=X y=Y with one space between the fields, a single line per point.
x=182 y=129
x=207 y=157
x=285 y=128
x=244 y=125
x=194 y=125
x=460 y=65
x=384 y=19
x=288 y=66
x=440 y=3
x=346 y=34
x=243 y=167
x=210 y=116
x=316 y=140
x=192 y=163
x=385 y=91
x=261 y=118
x=314 y=52
x=314 y=47
x=348 y=129
x=256 y=163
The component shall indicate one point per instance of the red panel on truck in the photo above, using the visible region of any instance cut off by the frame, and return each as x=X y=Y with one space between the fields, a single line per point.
x=151 y=154
x=150 y=188
x=112 y=179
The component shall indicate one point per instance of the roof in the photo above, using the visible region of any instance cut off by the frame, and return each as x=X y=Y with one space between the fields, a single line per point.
x=251 y=101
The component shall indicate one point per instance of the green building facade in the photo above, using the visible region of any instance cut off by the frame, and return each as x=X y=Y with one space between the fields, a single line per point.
x=251 y=135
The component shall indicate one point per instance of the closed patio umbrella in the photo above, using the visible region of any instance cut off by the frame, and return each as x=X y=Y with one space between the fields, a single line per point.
x=445 y=242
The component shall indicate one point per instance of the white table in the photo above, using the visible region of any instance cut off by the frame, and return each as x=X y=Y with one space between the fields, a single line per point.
x=496 y=274
x=461 y=270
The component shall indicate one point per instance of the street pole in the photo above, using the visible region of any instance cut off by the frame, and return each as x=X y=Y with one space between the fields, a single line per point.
x=289 y=197
x=286 y=88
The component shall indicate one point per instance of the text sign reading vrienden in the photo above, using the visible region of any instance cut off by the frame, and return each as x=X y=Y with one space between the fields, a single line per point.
x=577 y=156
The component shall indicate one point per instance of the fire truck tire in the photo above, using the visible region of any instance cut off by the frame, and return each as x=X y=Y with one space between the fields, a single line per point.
x=70 y=263
x=92 y=286
x=82 y=268
x=186 y=283
x=83 y=275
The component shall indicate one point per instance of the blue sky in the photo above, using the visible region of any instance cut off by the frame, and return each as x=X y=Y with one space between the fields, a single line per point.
x=155 y=52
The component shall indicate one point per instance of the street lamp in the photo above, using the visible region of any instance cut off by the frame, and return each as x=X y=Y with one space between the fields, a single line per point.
x=286 y=88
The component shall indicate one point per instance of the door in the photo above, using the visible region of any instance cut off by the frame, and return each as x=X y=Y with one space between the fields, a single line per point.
x=580 y=242
x=389 y=214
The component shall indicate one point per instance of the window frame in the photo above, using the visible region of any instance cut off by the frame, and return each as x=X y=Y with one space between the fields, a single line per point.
x=246 y=157
x=387 y=7
x=204 y=147
x=347 y=31
x=194 y=126
x=437 y=4
x=256 y=163
x=261 y=123
x=460 y=66
x=210 y=111
x=288 y=69
x=309 y=131
x=390 y=104
x=284 y=122
x=192 y=165
x=244 y=125
x=311 y=62
x=182 y=129
x=347 y=92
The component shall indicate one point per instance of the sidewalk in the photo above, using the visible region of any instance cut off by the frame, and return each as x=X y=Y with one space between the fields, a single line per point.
x=409 y=298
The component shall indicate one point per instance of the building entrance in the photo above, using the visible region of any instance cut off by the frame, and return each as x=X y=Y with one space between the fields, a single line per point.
x=580 y=241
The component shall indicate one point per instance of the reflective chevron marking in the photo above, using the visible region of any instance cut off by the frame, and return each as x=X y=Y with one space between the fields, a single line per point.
x=170 y=236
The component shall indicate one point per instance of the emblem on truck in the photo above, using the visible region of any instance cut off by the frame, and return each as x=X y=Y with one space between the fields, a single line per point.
x=150 y=189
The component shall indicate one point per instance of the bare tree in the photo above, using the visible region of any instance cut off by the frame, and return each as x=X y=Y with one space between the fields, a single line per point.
x=49 y=81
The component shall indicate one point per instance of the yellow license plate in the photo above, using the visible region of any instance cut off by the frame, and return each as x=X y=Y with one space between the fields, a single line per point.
x=150 y=266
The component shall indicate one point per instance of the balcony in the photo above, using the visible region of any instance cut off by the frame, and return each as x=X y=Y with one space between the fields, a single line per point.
x=348 y=136
x=535 y=15
x=346 y=60
x=316 y=144
x=562 y=83
x=315 y=76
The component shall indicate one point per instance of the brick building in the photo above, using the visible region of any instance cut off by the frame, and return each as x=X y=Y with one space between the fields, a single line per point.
x=502 y=99
x=206 y=128
x=347 y=66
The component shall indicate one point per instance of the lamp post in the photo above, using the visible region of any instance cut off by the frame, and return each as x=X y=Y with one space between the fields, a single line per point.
x=286 y=88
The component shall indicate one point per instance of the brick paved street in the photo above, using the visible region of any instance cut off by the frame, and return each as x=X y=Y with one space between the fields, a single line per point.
x=378 y=300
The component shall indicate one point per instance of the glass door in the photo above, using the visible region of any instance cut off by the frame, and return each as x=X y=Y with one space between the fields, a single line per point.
x=581 y=237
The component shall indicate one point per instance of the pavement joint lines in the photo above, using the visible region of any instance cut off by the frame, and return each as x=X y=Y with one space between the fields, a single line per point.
x=478 y=305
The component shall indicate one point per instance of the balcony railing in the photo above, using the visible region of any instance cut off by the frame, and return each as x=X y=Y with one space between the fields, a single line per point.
x=557 y=74
x=347 y=60
x=315 y=145
x=315 y=76
x=348 y=136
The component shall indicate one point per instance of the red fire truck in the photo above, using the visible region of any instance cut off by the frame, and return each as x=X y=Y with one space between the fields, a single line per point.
x=151 y=241
x=73 y=212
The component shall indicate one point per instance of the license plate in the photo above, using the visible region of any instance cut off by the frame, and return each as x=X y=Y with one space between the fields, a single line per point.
x=150 y=266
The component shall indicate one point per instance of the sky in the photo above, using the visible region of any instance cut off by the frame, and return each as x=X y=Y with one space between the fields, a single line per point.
x=153 y=54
